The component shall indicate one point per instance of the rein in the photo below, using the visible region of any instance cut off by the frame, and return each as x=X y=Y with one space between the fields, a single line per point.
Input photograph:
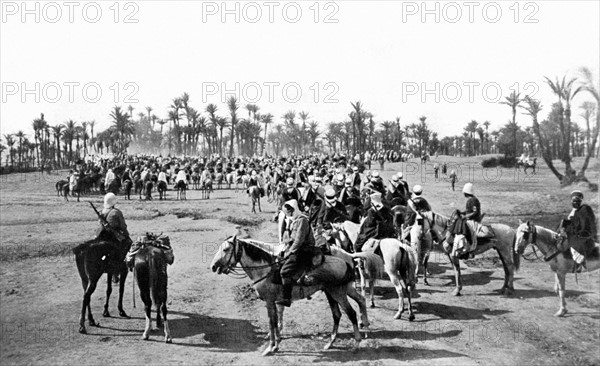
x=236 y=255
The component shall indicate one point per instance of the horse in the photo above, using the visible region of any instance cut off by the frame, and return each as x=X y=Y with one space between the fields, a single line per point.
x=181 y=187
x=59 y=187
x=162 y=190
x=149 y=263
x=93 y=258
x=219 y=180
x=502 y=242
x=148 y=185
x=128 y=184
x=370 y=266
x=548 y=242
x=229 y=179
x=254 y=193
x=206 y=188
x=244 y=180
x=138 y=187
x=400 y=263
x=422 y=242
x=259 y=263
x=195 y=180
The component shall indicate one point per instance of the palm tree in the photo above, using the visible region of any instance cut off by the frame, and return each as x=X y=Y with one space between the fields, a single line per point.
x=303 y=116
x=513 y=101
x=533 y=108
x=92 y=123
x=487 y=143
x=68 y=136
x=313 y=133
x=58 y=131
x=267 y=119
x=588 y=111
x=148 y=110
x=20 y=135
x=10 y=142
x=566 y=91
x=471 y=129
x=85 y=137
x=38 y=127
x=122 y=129
x=589 y=85
x=233 y=105
x=130 y=109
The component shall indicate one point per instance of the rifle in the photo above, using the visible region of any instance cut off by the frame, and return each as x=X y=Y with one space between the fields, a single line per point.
x=117 y=234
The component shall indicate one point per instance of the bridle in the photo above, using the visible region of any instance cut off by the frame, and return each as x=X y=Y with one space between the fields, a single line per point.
x=236 y=256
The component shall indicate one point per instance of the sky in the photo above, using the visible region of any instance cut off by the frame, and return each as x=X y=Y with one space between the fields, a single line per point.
x=449 y=61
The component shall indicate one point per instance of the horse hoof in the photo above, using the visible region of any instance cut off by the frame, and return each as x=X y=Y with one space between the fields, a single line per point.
x=560 y=313
x=411 y=317
x=168 y=340
x=266 y=352
x=145 y=337
x=426 y=283
x=93 y=323
x=123 y=314
x=372 y=305
x=82 y=330
x=106 y=314
x=456 y=293
x=398 y=315
x=328 y=346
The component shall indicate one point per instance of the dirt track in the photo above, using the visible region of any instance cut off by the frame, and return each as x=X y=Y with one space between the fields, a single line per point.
x=216 y=320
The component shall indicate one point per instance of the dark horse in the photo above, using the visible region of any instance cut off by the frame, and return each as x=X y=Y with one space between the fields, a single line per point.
x=151 y=273
x=95 y=257
x=162 y=189
x=127 y=185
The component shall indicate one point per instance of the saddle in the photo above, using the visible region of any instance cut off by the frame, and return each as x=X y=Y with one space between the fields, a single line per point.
x=158 y=241
x=317 y=258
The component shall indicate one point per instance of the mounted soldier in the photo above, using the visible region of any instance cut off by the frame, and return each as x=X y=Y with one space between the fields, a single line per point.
x=581 y=230
x=298 y=249
x=395 y=193
x=379 y=223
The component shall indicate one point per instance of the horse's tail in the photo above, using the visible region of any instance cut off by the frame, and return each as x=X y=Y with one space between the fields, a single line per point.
x=152 y=277
x=373 y=263
x=516 y=256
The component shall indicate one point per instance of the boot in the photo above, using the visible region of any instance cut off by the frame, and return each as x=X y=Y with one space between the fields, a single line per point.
x=287 y=295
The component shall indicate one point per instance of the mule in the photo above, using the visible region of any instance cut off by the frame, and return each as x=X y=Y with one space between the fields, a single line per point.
x=502 y=242
x=548 y=242
x=259 y=263
x=93 y=258
x=254 y=193
x=150 y=270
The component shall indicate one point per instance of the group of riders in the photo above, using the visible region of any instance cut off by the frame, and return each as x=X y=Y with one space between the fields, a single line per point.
x=315 y=192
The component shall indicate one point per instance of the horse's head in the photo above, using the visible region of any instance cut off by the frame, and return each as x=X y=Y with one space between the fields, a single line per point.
x=227 y=256
x=525 y=236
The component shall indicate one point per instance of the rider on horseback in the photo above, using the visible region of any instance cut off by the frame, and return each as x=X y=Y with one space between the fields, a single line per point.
x=379 y=223
x=416 y=205
x=581 y=229
x=298 y=248
x=395 y=193
x=115 y=220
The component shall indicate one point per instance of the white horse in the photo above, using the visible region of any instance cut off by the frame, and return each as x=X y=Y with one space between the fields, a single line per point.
x=400 y=263
x=548 y=242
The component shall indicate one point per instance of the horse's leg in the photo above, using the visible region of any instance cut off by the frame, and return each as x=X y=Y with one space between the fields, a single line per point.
x=274 y=335
x=106 y=314
x=280 y=309
x=560 y=280
x=361 y=274
x=456 y=267
x=145 y=295
x=259 y=209
x=91 y=287
x=399 y=290
x=337 y=315
x=425 y=262
x=163 y=307
x=362 y=305
x=507 y=264
x=340 y=296
x=409 y=289
x=122 y=279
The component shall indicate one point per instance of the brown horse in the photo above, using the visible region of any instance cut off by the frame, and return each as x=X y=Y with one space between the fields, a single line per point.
x=93 y=258
x=259 y=264
x=254 y=193
x=151 y=272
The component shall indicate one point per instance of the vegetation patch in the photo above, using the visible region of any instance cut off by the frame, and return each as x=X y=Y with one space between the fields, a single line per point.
x=243 y=221
x=187 y=212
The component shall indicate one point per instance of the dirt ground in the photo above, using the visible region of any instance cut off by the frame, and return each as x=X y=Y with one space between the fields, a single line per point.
x=216 y=319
